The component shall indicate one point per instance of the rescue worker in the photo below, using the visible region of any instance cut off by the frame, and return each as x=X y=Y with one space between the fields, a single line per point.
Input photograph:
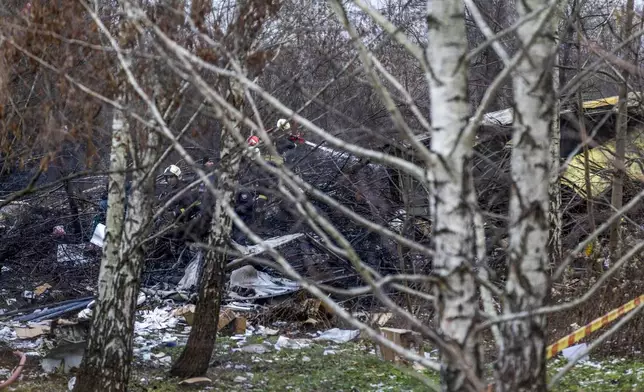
x=183 y=209
x=285 y=140
x=201 y=224
x=244 y=208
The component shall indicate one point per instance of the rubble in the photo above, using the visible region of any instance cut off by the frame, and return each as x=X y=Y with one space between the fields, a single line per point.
x=258 y=284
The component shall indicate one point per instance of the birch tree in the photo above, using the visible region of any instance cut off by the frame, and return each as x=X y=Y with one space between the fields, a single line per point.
x=453 y=198
x=108 y=357
x=617 y=195
x=521 y=365
x=555 y=216
x=108 y=354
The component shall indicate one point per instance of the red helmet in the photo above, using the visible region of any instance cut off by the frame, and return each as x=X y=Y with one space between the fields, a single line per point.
x=252 y=141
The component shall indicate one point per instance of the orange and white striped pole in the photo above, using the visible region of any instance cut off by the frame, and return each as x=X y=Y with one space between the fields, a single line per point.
x=591 y=327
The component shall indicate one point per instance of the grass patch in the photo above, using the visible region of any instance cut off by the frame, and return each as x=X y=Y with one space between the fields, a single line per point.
x=347 y=367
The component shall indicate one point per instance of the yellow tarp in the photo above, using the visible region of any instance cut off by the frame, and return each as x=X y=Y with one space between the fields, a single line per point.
x=601 y=163
x=610 y=101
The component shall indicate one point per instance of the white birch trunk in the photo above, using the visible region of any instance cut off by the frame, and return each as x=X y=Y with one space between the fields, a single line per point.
x=453 y=198
x=105 y=358
x=521 y=364
x=110 y=345
x=555 y=216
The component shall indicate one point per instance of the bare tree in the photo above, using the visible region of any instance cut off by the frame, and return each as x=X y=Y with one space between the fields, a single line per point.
x=453 y=198
x=521 y=364
x=249 y=18
x=619 y=175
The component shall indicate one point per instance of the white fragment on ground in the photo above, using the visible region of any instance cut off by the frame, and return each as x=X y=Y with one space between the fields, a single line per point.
x=328 y=352
x=240 y=379
x=254 y=349
x=337 y=335
x=285 y=342
x=7 y=333
x=264 y=331
x=573 y=351
x=71 y=383
x=306 y=359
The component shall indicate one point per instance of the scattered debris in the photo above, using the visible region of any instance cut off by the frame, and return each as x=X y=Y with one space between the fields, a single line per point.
x=187 y=311
x=258 y=285
x=240 y=379
x=571 y=352
x=380 y=319
x=99 y=235
x=285 y=342
x=32 y=330
x=190 y=278
x=71 y=254
x=274 y=242
x=402 y=337
x=157 y=319
x=267 y=331
x=337 y=335
x=40 y=290
x=196 y=381
x=255 y=349
x=229 y=318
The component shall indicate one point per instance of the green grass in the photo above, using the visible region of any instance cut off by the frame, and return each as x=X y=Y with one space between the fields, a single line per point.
x=609 y=375
x=350 y=368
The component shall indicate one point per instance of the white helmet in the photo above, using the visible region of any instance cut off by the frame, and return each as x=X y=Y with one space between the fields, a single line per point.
x=283 y=124
x=172 y=170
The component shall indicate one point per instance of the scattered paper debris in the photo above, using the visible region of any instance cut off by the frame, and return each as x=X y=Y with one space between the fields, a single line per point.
x=157 y=319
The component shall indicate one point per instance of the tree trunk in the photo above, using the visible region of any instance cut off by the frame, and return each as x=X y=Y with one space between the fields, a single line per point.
x=590 y=205
x=195 y=358
x=453 y=199
x=554 y=192
x=109 y=352
x=620 y=137
x=106 y=361
x=522 y=362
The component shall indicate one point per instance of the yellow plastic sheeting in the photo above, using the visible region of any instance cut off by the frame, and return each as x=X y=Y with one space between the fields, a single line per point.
x=600 y=162
x=610 y=101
